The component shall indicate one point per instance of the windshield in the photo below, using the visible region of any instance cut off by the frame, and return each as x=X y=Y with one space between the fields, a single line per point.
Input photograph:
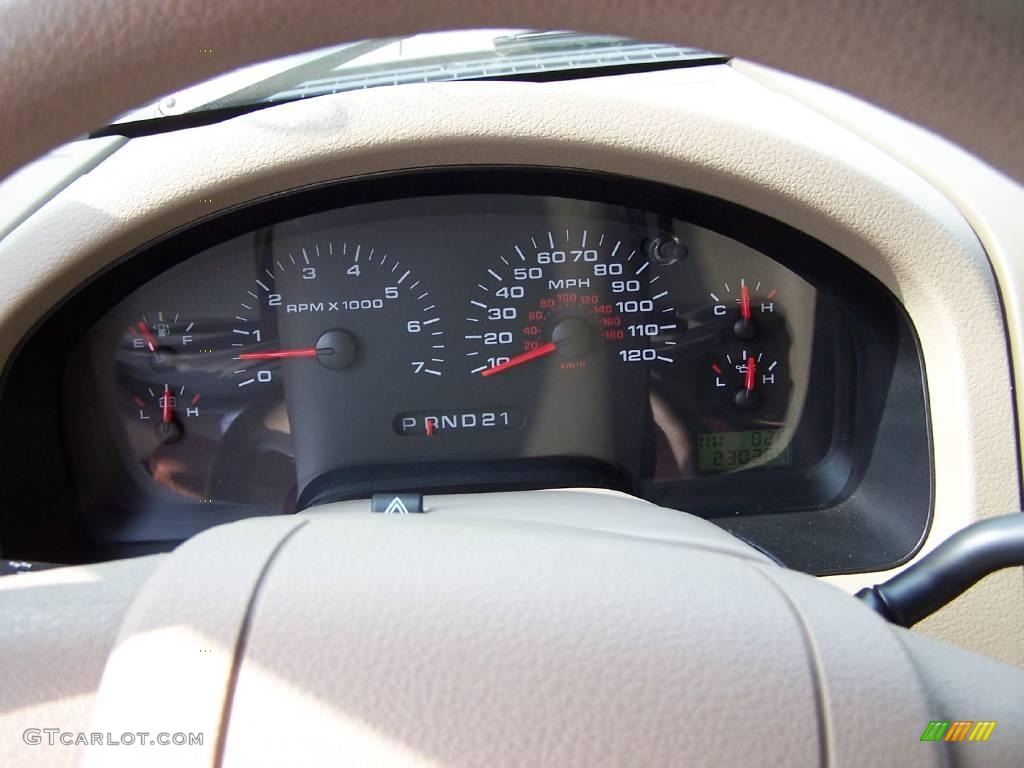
x=483 y=54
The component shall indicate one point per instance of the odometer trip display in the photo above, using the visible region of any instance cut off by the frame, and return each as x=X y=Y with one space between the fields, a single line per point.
x=567 y=297
x=728 y=451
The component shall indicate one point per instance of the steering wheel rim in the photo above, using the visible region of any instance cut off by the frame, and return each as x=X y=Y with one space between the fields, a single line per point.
x=72 y=65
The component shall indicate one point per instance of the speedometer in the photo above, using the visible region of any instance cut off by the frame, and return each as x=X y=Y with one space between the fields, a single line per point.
x=568 y=296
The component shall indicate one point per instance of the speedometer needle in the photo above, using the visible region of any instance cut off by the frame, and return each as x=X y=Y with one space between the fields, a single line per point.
x=533 y=354
x=279 y=354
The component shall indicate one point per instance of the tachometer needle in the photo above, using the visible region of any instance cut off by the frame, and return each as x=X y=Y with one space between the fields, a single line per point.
x=279 y=354
x=533 y=354
x=751 y=380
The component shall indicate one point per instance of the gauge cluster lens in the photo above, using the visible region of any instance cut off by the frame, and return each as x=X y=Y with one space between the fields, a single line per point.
x=456 y=342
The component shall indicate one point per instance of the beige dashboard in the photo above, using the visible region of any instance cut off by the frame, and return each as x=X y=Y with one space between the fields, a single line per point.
x=776 y=146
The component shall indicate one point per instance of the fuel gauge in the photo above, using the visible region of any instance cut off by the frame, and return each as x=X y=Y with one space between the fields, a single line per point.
x=161 y=338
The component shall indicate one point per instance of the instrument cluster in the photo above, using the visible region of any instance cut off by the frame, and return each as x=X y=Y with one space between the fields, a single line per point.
x=482 y=327
x=507 y=331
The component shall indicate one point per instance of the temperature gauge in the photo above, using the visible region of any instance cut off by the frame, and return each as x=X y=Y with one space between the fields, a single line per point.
x=168 y=409
x=748 y=304
x=746 y=377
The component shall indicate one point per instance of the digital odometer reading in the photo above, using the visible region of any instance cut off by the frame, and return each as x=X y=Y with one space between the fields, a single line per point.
x=725 y=451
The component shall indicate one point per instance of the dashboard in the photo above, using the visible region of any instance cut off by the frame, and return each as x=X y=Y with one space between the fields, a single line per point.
x=475 y=330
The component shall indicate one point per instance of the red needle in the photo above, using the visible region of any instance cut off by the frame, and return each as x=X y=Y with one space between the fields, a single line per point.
x=751 y=374
x=279 y=354
x=147 y=335
x=744 y=302
x=168 y=414
x=430 y=428
x=533 y=354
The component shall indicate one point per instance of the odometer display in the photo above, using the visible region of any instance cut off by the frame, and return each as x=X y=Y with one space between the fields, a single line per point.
x=726 y=451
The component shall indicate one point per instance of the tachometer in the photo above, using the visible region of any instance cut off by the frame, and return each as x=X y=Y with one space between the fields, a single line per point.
x=566 y=296
x=339 y=305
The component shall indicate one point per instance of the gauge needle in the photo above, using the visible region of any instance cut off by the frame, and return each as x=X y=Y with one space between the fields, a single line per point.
x=279 y=354
x=168 y=413
x=533 y=354
x=147 y=336
x=744 y=302
x=750 y=381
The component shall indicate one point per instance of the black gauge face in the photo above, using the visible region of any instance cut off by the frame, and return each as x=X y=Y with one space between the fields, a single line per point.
x=158 y=340
x=166 y=408
x=565 y=298
x=748 y=379
x=338 y=305
x=748 y=305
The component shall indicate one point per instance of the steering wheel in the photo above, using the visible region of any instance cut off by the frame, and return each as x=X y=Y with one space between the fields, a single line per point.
x=520 y=629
